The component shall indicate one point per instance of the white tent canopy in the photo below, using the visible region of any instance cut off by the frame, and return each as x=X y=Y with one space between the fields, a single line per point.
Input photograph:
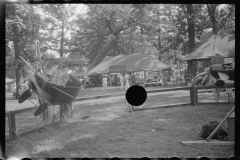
x=134 y=63
x=222 y=44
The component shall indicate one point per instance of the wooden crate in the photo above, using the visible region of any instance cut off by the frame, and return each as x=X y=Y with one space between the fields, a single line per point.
x=231 y=127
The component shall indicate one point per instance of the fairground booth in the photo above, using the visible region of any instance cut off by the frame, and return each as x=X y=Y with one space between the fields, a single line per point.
x=201 y=57
x=135 y=63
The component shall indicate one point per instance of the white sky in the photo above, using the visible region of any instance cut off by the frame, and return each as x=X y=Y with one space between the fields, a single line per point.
x=81 y=8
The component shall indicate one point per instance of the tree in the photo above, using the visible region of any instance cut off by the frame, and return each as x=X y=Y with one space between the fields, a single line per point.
x=84 y=39
x=211 y=11
x=225 y=15
x=102 y=30
x=20 y=30
x=54 y=25
x=191 y=28
x=159 y=28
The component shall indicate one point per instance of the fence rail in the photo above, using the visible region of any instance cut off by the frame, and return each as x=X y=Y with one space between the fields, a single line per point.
x=193 y=101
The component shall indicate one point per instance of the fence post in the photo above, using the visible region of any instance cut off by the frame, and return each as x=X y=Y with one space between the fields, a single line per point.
x=61 y=113
x=10 y=125
x=192 y=95
x=196 y=95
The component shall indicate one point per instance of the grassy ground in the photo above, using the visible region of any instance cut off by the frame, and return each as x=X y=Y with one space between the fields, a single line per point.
x=26 y=121
x=104 y=129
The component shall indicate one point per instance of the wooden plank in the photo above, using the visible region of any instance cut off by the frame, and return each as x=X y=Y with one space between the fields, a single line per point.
x=211 y=142
x=210 y=103
x=204 y=90
x=123 y=93
x=211 y=87
x=23 y=110
x=169 y=89
x=98 y=97
x=163 y=106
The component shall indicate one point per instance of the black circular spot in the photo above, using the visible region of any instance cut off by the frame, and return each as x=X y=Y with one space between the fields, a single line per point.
x=145 y=158
x=26 y=158
x=174 y=158
x=204 y=158
x=136 y=95
x=115 y=158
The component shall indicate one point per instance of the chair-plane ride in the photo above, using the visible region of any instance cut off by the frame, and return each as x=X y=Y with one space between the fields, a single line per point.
x=50 y=92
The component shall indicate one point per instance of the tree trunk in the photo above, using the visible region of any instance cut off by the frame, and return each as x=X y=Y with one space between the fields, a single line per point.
x=159 y=44
x=191 y=29
x=191 y=35
x=62 y=40
x=211 y=12
x=141 y=40
x=16 y=49
x=214 y=25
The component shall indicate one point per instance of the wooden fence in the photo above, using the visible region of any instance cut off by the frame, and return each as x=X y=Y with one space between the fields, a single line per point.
x=193 y=101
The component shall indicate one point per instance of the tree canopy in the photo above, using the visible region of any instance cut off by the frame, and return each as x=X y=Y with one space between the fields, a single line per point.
x=83 y=34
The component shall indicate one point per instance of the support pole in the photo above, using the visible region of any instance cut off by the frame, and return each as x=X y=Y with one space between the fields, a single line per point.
x=192 y=95
x=195 y=96
x=10 y=125
x=61 y=113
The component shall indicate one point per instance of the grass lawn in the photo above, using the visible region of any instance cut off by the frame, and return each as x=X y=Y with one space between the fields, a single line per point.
x=102 y=128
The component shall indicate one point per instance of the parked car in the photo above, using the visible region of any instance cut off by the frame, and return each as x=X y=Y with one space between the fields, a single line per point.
x=93 y=81
x=153 y=80
x=139 y=80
